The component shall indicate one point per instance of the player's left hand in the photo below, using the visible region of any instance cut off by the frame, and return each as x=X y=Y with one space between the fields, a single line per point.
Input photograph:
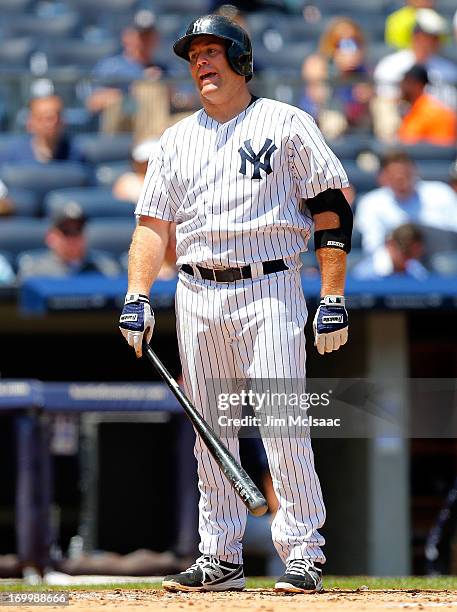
x=330 y=324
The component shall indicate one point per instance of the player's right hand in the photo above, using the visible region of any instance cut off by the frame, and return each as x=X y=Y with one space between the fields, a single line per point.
x=136 y=320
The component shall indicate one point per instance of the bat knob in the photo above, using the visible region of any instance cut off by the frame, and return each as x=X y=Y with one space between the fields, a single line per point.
x=258 y=508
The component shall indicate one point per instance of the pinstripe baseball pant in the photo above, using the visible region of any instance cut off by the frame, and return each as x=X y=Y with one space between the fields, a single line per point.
x=250 y=329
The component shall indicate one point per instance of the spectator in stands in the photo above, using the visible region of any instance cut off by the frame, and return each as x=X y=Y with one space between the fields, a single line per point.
x=453 y=176
x=67 y=252
x=7 y=275
x=129 y=185
x=400 y=23
x=316 y=91
x=343 y=45
x=400 y=254
x=48 y=141
x=402 y=198
x=135 y=63
x=425 y=47
x=427 y=119
x=6 y=205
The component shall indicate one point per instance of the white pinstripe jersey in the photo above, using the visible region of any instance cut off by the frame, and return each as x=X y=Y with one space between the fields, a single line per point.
x=235 y=189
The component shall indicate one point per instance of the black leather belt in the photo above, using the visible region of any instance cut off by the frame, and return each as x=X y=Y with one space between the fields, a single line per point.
x=228 y=275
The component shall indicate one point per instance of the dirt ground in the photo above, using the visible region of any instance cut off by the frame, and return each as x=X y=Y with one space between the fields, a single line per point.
x=257 y=600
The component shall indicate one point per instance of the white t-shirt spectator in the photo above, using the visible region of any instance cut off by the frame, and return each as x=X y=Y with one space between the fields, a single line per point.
x=442 y=73
x=3 y=190
x=433 y=204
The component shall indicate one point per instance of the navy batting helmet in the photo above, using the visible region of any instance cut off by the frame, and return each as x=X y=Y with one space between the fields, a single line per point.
x=239 y=50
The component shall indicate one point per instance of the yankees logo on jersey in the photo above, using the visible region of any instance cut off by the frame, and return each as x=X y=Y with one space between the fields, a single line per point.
x=247 y=154
x=248 y=175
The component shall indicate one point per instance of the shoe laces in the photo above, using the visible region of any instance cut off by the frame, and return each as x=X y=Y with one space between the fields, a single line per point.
x=203 y=562
x=302 y=567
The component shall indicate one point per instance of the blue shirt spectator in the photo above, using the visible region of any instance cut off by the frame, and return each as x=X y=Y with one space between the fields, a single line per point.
x=399 y=255
x=113 y=75
x=26 y=152
x=401 y=199
x=67 y=253
x=47 y=141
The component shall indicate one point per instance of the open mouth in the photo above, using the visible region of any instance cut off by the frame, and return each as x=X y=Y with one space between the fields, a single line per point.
x=207 y=75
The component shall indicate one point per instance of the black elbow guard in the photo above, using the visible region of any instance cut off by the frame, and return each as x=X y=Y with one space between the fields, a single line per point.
x=339 y=238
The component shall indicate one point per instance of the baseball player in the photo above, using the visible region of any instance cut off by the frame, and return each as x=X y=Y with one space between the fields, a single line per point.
x=243 y=178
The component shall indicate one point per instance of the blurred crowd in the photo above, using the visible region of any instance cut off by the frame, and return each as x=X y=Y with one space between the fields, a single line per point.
x=86 y=97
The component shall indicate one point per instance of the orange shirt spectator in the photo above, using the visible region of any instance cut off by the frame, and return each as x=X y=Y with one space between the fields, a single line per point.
x=427 y=120
x=430 y=121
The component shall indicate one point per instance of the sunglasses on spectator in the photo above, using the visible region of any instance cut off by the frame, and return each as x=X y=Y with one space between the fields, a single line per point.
x=349 y=45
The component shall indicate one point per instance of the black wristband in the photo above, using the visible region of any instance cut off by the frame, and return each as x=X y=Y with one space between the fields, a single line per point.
x=333 y=239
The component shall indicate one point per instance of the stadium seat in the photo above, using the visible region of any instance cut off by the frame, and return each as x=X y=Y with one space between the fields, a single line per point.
x=193 y=7
x=310 y=263
x=287 y=59
x=170 y=25
x=26 y=203
x=362 y=180
x=106 y=13
x=291 y=28
x=349 y=147
x=376 y=51
x=63 y=25
x=15 y=6
x=111 y=235
x=420 y=151
x=9 y=257
x=356 y=240
x=124 y=261
x=9 y=140
x=41 y=178
x=106 y=174
x=444 y=263
x=354 y=257
x=352 y=8
x=95 y=202
x=81 y=53
x=100 y=148
x=16 y=52
x=433 y=170
x=437 y=240
x=18 y=235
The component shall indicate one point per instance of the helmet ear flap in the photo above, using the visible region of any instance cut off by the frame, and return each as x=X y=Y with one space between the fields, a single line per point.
x=240 y=60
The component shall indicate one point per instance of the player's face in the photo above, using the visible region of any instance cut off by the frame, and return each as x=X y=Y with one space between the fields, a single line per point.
x=210 y=69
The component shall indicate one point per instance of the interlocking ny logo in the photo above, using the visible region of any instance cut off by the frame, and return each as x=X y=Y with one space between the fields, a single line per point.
x=248 y=154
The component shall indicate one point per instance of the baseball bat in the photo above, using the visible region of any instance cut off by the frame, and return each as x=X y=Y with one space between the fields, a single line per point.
x=232 y=470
